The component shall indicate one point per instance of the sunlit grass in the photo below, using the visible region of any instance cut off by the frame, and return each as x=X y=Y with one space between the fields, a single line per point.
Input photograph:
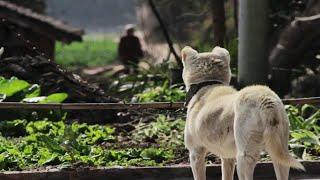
x=91 y=52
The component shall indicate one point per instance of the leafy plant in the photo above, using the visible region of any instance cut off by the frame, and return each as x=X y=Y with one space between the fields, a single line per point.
x=305 y=130
x=26 y=92
x=162 y=93
x=158 y=155
x=9 y=87
x=14 y=128
x=161 y=131
x=56 y=143
x=64 y=145
x=16 y=90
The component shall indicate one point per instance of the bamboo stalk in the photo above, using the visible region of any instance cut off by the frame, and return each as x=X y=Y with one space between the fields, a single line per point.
x=123 y=106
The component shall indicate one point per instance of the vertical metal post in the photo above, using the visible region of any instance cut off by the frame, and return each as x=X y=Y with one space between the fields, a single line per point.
x=253 y=42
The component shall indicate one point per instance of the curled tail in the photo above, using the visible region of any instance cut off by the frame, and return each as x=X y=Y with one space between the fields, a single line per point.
x=276 y=139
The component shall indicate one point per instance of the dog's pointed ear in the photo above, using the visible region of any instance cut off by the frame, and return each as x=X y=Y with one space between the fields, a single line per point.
x=222 y=53
x=187 y=52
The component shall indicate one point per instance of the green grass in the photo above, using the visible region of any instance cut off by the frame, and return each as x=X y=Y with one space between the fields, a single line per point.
x=89 y=53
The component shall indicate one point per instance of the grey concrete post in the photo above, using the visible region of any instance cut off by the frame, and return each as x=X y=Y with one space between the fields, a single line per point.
x=253 y=42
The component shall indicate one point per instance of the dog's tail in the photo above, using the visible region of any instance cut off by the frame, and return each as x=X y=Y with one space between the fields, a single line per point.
x=276 y=138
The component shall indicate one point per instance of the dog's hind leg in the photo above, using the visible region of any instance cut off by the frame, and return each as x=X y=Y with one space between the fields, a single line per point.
x=198 y=163
x=228 y=166
x=282 y=172
x=249 y=142
x=245 y=165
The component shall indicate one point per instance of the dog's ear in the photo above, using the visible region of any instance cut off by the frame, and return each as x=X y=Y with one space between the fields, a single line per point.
x=222 y=53
x=188 y=52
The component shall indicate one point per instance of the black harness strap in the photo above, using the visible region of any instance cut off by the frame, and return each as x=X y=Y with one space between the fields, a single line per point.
x=194 y=88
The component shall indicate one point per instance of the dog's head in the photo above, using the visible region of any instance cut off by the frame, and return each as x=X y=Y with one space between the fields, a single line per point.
x=199 y=67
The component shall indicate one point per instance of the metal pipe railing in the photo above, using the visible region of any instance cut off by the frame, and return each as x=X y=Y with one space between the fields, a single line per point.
x=125 y=106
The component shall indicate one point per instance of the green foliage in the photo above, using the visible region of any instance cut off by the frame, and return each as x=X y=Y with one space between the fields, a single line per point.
x=305 y=130
x=13 y=128
x=56 y=143
x=14 y=89
x=9 y=87
x=33 y=91
x=162 y=93
x=90 y=52
x=161 y=131
x=55 y=98
x=45 y=143
x=158 y=155
x=150 y=84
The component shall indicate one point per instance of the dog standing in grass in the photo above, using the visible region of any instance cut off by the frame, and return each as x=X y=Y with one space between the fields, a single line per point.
x=234 y=125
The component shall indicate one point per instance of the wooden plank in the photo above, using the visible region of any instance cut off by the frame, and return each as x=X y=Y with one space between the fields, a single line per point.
x=300 y=101
x=263 y=171
x=124 y=106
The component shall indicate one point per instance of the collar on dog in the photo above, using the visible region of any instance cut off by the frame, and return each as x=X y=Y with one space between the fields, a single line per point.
x=194 y=88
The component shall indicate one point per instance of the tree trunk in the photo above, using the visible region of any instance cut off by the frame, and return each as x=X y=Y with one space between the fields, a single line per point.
x=235 y=14
x=218 y=22
x=253 y=42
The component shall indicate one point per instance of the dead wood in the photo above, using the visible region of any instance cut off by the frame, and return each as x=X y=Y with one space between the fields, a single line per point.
x=53 y=79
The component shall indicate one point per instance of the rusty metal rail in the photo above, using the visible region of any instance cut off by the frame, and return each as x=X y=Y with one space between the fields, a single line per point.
x=92 y=106
x=124 y=106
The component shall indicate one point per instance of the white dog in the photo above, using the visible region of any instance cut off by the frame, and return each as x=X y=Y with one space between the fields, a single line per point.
x=234 y=125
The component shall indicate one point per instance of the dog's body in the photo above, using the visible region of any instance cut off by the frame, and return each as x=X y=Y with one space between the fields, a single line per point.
x=234 y=125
